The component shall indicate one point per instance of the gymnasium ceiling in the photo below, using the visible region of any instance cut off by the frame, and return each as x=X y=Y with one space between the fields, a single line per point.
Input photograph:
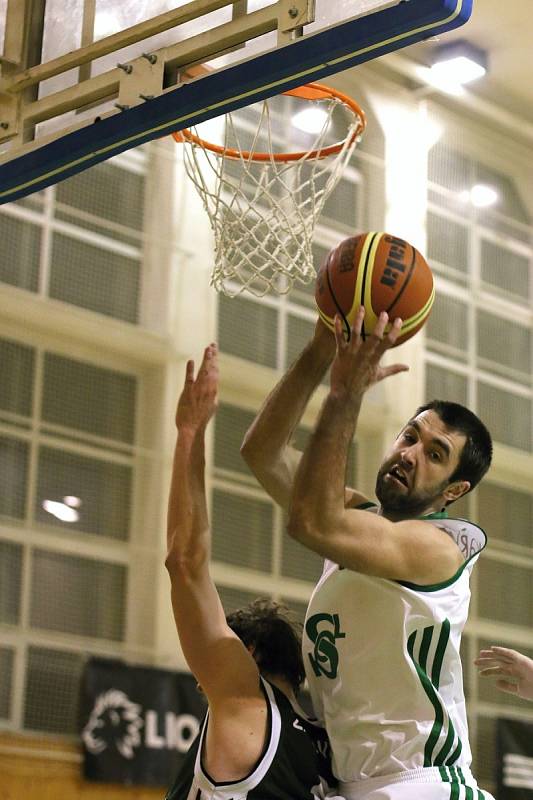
x=505 y=31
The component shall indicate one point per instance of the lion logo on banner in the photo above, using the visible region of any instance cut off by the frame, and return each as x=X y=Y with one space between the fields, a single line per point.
x=115 y=720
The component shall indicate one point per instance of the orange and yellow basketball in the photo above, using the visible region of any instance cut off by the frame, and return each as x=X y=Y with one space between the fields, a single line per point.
x=380 y=272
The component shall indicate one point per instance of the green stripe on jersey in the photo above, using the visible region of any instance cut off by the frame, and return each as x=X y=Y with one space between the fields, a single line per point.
x=456 y=753
x=430 y=685
x=447 y=746
x=433 y=699
x=439 y=653
x=424 y=647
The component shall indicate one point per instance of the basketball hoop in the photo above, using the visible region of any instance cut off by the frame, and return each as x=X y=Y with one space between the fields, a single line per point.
x=263 y=204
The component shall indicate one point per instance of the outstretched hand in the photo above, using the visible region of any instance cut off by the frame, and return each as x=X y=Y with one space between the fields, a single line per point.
x=513 y=670
x=199 y=397
x=356 y=365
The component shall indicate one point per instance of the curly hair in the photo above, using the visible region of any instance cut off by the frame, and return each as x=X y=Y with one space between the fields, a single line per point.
x=275 y=635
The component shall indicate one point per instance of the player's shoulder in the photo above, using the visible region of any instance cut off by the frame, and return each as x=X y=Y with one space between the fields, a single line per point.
x=357 y=500
x=469 y=537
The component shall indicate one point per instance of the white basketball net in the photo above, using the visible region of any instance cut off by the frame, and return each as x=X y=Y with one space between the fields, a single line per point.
x=263 y=214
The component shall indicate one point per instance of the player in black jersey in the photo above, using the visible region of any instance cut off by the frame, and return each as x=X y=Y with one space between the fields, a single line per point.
x=255 y=742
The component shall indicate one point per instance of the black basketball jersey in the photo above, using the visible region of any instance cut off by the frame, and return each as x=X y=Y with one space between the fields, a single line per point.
x=294 y=764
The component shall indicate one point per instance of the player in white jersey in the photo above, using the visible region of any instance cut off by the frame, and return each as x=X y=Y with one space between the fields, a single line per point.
x=383 y=627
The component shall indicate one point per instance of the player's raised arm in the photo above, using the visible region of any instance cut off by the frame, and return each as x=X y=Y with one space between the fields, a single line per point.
x=215 y=655
x=412 y=551
x=266 y=447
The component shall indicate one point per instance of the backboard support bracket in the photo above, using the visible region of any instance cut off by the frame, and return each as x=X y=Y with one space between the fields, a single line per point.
x=28 y=166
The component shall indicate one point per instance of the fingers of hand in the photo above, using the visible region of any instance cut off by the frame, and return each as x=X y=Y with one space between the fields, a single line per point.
x=379 y=328
x=393 y=369
x=504 y=652
x=395 y=331
x=189 y=372
x=499 y=653
x=339 y=332
x=507 y=686
x=496 y=670
x=357 y=326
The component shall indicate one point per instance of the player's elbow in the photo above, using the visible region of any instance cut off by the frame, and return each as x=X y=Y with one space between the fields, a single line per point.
x=302 y=524
x=252 y=453
x=186 y=564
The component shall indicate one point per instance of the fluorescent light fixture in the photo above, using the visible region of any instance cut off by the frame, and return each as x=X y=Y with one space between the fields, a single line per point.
x=440 y=82
x=72 y=501
x=312 y=120
x=61 y=511
x=458 y=62
x=480 y=195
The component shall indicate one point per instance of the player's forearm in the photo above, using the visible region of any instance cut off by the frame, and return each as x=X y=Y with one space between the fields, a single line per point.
x=188 y=535
x=268 y=436
x=318 y=499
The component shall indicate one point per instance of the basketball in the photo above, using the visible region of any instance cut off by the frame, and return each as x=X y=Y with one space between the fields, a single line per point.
x=380 y=272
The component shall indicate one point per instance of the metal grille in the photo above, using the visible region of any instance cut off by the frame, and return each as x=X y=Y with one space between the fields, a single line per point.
x=247 y=329
x=16 y=386
x=104 y=488
x=299 y=332
x=443 y=384
x=447 y=326
x=507 y=270
x=484 y=756
x=506 y=513
x=87 y=398
x=78 y=595
x=232 y=599
x=21 y=243
x=300 y=562
x=507 y=416
x=496 y=601
x=10 y=582
x=14 y=457
x=52 y=690
x=7 y=661
x=231 y=423
x=242 y=531
x=95 y=278
x=106 y=191
x=448 y=245
x=497 y=339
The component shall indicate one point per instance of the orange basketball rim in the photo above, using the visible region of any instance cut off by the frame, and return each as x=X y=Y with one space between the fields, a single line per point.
x=310 y=91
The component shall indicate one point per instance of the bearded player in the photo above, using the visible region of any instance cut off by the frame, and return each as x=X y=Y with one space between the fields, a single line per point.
x=383 y=627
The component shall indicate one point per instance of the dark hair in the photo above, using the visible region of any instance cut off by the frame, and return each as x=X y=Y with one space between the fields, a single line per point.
x=275 y=635
x=477 y=451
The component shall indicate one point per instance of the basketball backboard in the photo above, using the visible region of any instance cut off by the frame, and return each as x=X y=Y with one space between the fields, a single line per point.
x=83 y=80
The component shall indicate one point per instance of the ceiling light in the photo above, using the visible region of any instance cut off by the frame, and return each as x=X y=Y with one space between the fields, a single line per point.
x=458 y=62
x=480 y=195
x=61 y=511
x=312 y=120
x=440 y=81
x=72 y=501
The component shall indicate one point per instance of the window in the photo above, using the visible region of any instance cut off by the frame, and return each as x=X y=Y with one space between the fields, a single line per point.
x=81 y=241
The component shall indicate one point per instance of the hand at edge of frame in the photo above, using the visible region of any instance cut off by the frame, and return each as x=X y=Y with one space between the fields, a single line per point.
x=199 y=397
x=514 y=671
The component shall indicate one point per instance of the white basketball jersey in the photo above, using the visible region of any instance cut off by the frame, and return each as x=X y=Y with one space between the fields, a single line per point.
x=382 y=661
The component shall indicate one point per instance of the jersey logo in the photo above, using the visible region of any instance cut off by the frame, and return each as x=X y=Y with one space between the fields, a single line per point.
x=296 y=724
x=324 y=630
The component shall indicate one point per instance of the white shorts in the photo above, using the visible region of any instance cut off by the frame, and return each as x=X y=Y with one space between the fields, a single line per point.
x=439 y=783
